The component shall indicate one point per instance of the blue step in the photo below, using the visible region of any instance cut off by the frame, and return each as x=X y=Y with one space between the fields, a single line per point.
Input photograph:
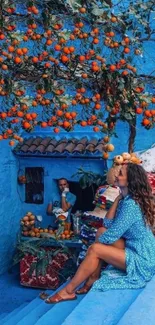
x=15 y=311
x=58 y=313
x=24 y=311
x=98 y=308
x=142 y=311
x=40 y=312
x=2 y=316
x=31 y=312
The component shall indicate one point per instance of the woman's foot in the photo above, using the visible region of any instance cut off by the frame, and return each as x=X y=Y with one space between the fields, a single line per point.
x=62 y=295
x=83 y=290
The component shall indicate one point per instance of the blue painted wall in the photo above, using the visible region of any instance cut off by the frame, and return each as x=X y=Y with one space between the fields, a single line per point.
x=10 y=205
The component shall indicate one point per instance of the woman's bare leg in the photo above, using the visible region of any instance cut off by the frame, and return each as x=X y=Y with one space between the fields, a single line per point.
x=111 y=255
x=95 y=276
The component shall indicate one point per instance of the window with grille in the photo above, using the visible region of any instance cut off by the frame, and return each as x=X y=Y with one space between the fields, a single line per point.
x=34 y=187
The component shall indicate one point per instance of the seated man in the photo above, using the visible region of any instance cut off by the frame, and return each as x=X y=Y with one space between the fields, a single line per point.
x=62 y=203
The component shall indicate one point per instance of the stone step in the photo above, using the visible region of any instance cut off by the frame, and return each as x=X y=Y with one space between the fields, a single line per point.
x=31 y=309
x=98 y=308
x=59 y=312
x=11 y=314
x=23 y=312
x=3 y=315
x=142 y=311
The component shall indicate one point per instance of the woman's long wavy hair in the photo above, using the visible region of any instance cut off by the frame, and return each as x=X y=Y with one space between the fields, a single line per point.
x=140 y=190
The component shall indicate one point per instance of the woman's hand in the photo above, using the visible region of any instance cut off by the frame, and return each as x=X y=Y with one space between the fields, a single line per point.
x=119 y=197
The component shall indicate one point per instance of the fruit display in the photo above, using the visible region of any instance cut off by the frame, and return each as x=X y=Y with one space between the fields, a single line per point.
x=29 y=229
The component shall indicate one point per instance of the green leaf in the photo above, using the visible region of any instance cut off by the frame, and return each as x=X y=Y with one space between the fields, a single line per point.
x=32 y=268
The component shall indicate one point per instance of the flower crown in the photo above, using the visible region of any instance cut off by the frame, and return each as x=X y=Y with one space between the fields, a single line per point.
x=126 y=158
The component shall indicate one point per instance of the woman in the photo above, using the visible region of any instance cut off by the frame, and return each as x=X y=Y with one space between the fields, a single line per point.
x=133 y=257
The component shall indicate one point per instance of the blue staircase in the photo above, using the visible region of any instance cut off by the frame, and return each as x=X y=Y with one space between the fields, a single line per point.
x=121 y=307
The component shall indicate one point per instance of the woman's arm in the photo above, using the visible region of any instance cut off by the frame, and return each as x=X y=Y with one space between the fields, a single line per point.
x=129 y=214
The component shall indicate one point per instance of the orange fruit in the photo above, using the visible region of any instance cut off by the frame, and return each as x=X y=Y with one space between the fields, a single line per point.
x=64 y=58
x=43 y=124
x=49 y=42
x=35 y=59
x=26 y=125
x=57 y=47
x=105 y=155
x=84 y=75
x=126 y=40
x=83 y=123
x=96 y=129
x=139 y=110
x=112 y=67
x=113 y=19
x=4 y=67
x=66 y=124
x=34 y=103
x=126 y=50
x=36 y=230
x=11 y=143
x=97 y=106
x=106 y=139
x=82 y=58
x=33 y=115
x=110 y=147
x=11 y=49
x=56 y=130
x=82 y=10
x=95 y=40
x=74 y=102
x=146 y=122
x=153 y=100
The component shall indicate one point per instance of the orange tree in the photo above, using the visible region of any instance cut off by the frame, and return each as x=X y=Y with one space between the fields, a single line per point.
x=67 y=63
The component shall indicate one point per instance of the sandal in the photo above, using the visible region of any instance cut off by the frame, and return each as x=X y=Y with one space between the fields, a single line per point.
x=43 y=295
x=57 y=298
x=83 y=290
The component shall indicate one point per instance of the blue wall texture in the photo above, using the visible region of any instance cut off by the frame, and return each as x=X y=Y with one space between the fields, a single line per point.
x=10 y=205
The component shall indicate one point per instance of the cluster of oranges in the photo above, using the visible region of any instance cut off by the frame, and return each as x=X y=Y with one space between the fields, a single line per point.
x=36 y=232
x=57 y=58
x=27 y=223
x=67 y=234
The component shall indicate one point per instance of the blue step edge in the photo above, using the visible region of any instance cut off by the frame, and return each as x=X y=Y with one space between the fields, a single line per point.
x=3 y=315
x=15 y=311
x=102 y=308
x=58 y=313
x=29 y=308
x=142 y=311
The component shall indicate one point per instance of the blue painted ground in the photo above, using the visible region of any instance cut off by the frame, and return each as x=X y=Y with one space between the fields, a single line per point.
x=12 y=294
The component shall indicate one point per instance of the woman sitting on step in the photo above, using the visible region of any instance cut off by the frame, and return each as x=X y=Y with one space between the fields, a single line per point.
x=126 y=242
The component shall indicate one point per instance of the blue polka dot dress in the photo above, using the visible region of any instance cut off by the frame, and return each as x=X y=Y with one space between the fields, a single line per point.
x=139 y=248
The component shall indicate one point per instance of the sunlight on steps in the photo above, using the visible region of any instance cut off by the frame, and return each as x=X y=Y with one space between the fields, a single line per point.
x=121 y=307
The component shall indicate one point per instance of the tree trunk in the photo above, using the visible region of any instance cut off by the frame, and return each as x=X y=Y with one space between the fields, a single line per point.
x=132 y=136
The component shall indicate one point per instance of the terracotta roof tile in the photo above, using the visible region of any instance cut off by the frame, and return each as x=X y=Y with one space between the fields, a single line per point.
x=52 y=147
